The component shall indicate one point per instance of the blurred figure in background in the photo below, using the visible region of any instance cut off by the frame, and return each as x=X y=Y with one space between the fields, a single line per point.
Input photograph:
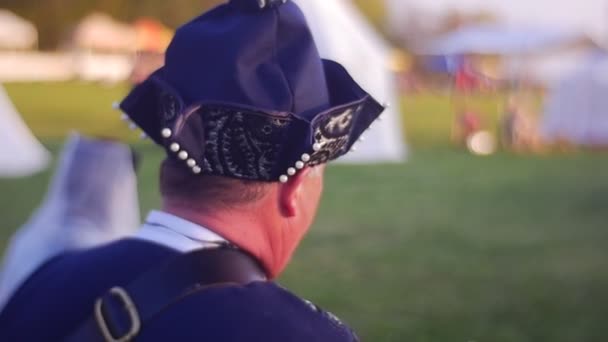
x=466 y=123
x=92 y=199
x=519 y=127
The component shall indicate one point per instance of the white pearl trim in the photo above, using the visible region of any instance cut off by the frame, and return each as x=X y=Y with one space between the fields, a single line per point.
x=174 y=147
x=191 y=162
x=166 y=133
x=183 y=155
x=196 y=170
x=283 y=179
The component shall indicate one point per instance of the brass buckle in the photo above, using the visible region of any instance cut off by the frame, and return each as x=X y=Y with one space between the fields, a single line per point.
x=129 y=306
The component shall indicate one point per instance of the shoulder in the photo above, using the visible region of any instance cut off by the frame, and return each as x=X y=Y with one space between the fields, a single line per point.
x=260 y=311
x=64 y=289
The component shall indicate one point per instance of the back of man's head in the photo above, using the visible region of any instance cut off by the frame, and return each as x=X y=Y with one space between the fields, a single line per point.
x=179 y=186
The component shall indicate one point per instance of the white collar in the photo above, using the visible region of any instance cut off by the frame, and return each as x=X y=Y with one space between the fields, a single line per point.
x=174 y=232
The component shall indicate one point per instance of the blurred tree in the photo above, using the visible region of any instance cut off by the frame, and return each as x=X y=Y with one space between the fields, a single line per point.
x=55 y=19
x=375 y=11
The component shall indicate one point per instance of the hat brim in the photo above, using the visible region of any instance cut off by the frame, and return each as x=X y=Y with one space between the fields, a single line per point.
x=206 y=130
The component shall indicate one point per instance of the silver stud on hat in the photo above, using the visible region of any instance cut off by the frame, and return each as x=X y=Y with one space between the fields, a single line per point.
x=174 y=147
x=283 y=179
x=299 y=165
x=316 y=147
x=191 y=162
x=291 y=171
x=305 y=157
x=166 y=133
x=196 y=170
x=183 y=155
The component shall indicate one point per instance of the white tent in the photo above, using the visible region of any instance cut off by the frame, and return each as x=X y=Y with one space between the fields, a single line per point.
x=342 y=34
x=501 y=40
x=20 y=153
x=99 y=31
x=16 y=33
x=577 y=108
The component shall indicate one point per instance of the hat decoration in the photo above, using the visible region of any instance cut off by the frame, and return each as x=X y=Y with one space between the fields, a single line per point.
x=244 y=94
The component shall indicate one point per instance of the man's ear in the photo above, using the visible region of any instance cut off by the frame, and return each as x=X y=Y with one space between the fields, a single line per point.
x=290 y=192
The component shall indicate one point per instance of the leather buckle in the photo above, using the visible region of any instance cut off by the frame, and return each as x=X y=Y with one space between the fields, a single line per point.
x=129 y=306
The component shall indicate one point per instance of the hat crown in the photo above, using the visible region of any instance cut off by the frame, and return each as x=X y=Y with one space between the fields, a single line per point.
x=255 y=5
x=245 y=94
x=265 y=59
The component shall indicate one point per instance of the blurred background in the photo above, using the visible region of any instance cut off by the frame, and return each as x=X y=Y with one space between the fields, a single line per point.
x=477 y=211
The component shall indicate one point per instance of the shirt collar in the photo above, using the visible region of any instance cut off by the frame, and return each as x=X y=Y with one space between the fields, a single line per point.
x=177 y=233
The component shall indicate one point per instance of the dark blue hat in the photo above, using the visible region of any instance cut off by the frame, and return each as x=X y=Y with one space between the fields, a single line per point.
x=245 y=94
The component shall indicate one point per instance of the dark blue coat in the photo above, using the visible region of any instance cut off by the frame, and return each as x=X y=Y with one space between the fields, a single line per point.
x=60 y=296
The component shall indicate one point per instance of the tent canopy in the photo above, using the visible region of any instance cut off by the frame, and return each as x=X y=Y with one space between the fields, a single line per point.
x=16 y=32
x=500 y=40
x=588 y=16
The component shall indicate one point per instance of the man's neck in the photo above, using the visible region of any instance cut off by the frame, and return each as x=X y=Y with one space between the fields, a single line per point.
x=243 y=228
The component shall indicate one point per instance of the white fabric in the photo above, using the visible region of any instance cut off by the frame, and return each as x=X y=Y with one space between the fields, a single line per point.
x=577 y=109
x=176 y=233
x=92 y=200
x=20 y=152
x=342 y=34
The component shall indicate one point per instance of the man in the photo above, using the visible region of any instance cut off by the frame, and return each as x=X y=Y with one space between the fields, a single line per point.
x=248 y=114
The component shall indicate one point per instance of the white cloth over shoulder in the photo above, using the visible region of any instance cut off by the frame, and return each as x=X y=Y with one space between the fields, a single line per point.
x=92 y=200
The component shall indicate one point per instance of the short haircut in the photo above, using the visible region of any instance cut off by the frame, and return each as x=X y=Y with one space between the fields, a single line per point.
x=178 y=183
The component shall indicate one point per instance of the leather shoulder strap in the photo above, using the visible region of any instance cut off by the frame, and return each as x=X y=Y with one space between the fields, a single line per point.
x=120 y=313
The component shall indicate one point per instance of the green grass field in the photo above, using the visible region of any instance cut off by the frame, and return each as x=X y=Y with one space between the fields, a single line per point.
x=447 y=247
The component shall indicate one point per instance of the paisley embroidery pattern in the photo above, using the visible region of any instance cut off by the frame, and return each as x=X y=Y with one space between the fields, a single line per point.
x=229 y=140
x=333 y=134
x=241 y=144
